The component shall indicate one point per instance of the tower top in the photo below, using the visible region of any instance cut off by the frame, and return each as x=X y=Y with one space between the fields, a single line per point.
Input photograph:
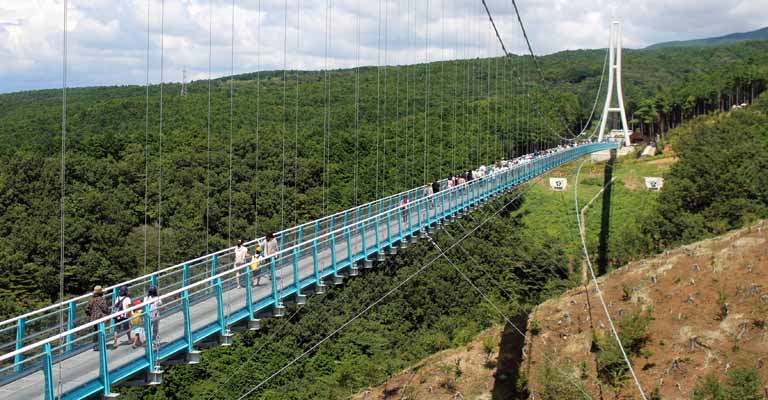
x=615 y=85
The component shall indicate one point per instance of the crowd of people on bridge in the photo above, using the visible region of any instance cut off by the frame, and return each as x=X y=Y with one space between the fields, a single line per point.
x=126 y=321
x=132 y=323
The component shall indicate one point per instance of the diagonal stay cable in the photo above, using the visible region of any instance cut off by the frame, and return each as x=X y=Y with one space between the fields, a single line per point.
x=582 y=235
x=337 y=330
x=382 y=298
x=461 y=225
x=496 y=308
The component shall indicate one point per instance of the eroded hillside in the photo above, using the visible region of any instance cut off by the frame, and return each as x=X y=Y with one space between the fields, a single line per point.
x=689 y=313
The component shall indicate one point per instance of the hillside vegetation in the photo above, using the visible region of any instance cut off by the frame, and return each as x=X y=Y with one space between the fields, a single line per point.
x=293 y=164
x=691 y=319
x=477 y=112
x=759 y=34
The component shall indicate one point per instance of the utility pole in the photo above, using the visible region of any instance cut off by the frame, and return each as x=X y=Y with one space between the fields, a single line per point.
x=184 y=83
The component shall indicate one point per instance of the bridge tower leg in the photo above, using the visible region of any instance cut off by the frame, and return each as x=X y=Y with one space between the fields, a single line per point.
x=614 y=84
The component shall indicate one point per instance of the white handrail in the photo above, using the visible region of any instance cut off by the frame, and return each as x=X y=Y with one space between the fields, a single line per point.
x=181 y=265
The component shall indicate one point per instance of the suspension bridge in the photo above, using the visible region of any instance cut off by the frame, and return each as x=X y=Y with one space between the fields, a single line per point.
x=59 y=352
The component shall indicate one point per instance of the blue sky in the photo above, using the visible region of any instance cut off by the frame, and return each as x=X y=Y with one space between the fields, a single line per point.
x=108 y=38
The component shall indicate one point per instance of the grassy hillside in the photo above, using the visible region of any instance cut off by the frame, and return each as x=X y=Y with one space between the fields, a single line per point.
x=684 y=315
x=760 y=34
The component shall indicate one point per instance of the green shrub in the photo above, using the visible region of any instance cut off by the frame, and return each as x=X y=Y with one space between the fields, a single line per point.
x=560 y=381
x=633 y=333
x=741 y=384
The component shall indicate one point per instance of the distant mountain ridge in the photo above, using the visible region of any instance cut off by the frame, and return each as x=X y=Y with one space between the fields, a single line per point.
x=760 y=34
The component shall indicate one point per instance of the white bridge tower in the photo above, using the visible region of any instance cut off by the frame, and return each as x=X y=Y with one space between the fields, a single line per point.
x=614 y=76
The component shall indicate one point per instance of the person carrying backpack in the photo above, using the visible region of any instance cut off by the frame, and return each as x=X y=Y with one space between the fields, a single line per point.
x=428 y=193
x=435 y=190
x=154 y=314
x=96 y=309
x=123 y=302
x=271 y=247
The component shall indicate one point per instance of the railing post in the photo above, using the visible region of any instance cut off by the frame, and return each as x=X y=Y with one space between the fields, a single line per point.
x=389 y=222
x=296 y=280
x=409 y=218
x=112 y=320
x=149 y=338
x=185 y=275
x=442 y=204
x=153 y=280
x=363 y=239
x=400 y=218
x=249 y=288
x=21 y=325
x=71 y=322
x=187 y=321
x=214 y=263
x=418 y=210
x=357 y=214
x=315 y=262
x=350 y=256
x=220 y=306
x=333 y=254
x=377 y=236
x=48 y=371
x=300 y=235
x=103 y=360
x=273 y=271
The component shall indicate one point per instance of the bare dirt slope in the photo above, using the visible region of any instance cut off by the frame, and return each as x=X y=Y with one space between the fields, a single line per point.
x=709 y=304
x=473 y=371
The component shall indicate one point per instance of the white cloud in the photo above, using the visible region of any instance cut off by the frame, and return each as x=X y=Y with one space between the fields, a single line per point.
x=108 y=38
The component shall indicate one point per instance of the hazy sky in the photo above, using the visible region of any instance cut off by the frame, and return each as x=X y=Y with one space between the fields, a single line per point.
x=108 y=38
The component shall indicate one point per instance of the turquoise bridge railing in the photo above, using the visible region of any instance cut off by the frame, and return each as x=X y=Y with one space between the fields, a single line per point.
x=205 y=296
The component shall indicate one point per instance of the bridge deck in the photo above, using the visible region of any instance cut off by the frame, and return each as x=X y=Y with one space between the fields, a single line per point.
x=215 y=298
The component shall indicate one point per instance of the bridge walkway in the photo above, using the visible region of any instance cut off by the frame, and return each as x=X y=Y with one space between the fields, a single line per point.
x=205 y=305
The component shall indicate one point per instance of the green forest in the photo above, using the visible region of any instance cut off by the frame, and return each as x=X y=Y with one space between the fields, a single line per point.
x=295 y=157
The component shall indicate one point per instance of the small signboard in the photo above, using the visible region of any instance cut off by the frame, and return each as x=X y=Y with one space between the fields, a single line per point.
x=558 y=184
x=654 y=183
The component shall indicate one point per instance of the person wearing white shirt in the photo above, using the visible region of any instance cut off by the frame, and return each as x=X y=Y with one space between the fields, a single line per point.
x=241 y=255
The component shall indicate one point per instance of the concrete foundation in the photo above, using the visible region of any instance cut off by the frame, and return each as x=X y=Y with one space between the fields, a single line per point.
x=254 y=324
x=193 y=357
